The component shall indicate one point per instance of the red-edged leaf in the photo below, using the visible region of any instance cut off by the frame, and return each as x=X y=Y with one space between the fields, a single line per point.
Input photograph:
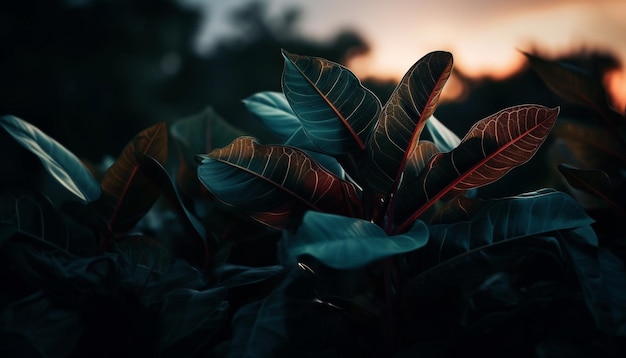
x=275 y=185
x=417 y=161
x=491 y=148
x=402 y=119
x=594 y=182
x=336 y=112
x=126 y=192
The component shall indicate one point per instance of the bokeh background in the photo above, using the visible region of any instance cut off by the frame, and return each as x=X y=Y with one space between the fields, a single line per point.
x=92 y=73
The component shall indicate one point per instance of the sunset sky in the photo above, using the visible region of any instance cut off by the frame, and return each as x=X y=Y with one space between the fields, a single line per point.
x=483 y=35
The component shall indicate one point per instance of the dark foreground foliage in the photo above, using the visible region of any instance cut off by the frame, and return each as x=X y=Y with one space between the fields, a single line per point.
x=351 y=235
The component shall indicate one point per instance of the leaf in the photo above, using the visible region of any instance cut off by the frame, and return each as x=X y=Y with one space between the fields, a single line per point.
x=201 y=248
x=445 y=139
x=402 y=119
x=593 y=181
x=491 y=148
x=593 y=145
x=500 y=222
x=189 y=319
x=229 y=275
x=348 y=243
x=417 y=161
x=273 y=109
x=199 y=133
x=574 y=85
x=286 y=324
x=62 y=164
x=275 y=185
x=335 y=110
x=459 y=208
x=127 y=193
x=599 y=274
x=31 y=217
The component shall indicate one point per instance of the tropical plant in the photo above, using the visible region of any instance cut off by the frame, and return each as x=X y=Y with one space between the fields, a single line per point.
x=351 y=236
x=352 y=184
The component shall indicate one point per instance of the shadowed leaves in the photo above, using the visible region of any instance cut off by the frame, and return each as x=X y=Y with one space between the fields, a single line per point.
x=62 y=164
x=594 y=182
x=491 y=148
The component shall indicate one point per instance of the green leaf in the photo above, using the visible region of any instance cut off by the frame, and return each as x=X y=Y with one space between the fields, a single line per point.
x=62 y=164
x=201 y=249
x=576 y=86
x=402 y=119
x=491 y=148
x=199 y=133
x=335 y=110
x=273 y=110
x=500 y=222
x=445 y=139
x=31 y=217
x=594 y=182
x=348 y=243
x=275 y=185
x=127 y=193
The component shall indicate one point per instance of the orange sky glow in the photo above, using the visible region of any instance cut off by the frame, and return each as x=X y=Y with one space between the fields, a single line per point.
x=483 y=35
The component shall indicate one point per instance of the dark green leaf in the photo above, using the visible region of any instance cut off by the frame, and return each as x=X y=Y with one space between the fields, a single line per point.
x=595 y=182
x=347 y=243
x=62 y=164
x=31 y=217
x=335 y=110
x=202 y=248
x=274 y=112
x=189 y=319
x=445 y=139
x=275 y=184
x=197 y=134
x=402 y=119
x=505 y=219
x=491 y=148
x=127 y=193
x=229 y=275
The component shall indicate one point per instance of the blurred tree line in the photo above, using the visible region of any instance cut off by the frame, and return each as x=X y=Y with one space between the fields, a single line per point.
x=92 y=73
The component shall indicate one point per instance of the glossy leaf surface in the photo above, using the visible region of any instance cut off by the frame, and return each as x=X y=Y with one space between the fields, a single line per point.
x=348 y=243
x=418 y=159
x=445 y=139
x=62 y=164
x=275 y=184
x=491 y=148
x=499 y=222
x=273 y=110
x=335 y=110
x=402 y=119
x=126 y=190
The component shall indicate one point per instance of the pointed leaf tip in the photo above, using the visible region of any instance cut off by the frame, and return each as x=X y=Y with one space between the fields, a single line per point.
x=62 y=164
